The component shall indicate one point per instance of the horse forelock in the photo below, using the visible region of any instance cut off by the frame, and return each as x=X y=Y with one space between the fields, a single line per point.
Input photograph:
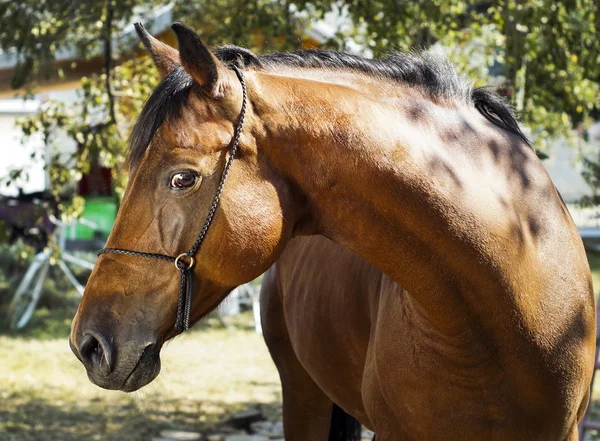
x=165 y=102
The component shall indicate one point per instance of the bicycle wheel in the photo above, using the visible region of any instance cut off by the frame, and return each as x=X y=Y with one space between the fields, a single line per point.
x=28 y=292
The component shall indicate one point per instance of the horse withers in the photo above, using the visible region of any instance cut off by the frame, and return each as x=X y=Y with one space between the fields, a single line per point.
x=402 y=163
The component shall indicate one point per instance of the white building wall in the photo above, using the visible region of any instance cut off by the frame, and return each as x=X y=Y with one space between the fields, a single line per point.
x=16 y=154
x=565 y=167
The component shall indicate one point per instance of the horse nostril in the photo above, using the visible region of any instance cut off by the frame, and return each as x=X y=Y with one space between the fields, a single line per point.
x=95 y=354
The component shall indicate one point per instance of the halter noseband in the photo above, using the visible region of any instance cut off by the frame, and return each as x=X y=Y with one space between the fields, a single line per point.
x=185 y=261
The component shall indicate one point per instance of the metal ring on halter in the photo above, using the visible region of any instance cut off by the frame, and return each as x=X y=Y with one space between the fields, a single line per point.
x=190 y=265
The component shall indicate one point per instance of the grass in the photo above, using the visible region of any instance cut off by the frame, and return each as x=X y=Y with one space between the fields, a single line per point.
x=207 y=374
x=45 y=395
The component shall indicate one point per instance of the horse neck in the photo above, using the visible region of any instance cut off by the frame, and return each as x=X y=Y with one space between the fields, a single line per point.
x=409 y=210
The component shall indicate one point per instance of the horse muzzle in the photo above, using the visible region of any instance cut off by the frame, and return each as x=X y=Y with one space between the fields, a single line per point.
x=128 y=366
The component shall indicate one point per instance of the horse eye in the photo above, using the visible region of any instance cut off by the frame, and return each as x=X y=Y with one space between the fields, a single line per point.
x=183 y=180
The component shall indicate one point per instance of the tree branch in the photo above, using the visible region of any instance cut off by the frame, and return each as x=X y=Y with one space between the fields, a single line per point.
x=108 y=61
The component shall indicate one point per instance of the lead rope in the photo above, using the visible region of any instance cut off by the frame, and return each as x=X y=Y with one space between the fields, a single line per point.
x=185 y=261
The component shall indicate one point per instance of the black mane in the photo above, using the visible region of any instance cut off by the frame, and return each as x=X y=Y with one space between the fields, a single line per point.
x=435 y=76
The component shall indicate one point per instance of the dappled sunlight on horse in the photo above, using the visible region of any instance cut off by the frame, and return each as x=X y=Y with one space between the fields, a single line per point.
x=474 y=318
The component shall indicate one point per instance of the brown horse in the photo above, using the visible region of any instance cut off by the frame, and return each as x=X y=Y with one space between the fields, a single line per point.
x=397 y=160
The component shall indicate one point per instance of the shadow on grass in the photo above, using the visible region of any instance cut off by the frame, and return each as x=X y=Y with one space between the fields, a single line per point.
x=39 y=420
x=46 y=324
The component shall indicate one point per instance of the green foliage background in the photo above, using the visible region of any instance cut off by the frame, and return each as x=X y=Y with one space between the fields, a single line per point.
x=547 y=52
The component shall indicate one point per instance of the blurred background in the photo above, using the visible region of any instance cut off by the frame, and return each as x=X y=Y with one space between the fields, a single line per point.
x=73 y=77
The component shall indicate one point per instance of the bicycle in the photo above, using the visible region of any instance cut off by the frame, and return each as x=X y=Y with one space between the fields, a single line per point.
x=29 y=291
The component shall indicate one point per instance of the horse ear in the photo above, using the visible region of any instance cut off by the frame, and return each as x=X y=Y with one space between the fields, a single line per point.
x=165 y=57
x=204 y=67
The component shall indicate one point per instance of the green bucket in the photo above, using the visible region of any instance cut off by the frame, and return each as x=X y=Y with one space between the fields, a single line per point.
x=102 y=211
